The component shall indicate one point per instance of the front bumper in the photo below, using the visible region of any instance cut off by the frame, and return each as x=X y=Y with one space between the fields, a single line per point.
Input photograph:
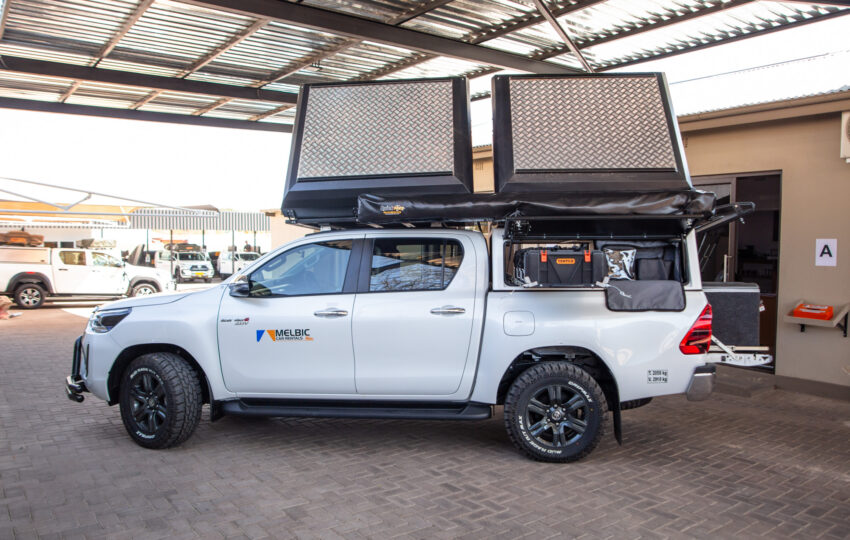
x=74 y=383
x=702 y=383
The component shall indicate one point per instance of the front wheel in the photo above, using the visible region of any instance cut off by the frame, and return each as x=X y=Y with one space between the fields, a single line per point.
x=555 y=411
x=30 y=296
x=160 y=400
x=143 y=289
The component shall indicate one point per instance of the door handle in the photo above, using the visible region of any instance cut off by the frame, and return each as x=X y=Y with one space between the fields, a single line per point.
x=63 y=269
x=331 y=312
x=448 y=310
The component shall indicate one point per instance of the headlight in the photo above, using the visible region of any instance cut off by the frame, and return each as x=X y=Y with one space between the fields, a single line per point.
x=104 y=321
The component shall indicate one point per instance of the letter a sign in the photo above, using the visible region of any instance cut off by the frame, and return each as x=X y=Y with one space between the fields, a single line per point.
x=826 y=252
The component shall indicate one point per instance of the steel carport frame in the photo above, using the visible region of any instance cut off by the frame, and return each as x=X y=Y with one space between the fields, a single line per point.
x=223 y=62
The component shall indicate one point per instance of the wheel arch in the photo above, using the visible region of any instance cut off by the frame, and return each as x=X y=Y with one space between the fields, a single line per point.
x=29 y=277
x=113 y=382
x=580 y=356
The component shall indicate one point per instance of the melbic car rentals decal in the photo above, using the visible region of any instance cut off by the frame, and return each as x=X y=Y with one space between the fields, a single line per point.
x=288 y=334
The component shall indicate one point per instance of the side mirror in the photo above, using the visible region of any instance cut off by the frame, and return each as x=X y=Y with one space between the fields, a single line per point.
x=240 y=289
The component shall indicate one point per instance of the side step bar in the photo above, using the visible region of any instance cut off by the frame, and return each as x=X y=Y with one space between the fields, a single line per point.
x=337 y=409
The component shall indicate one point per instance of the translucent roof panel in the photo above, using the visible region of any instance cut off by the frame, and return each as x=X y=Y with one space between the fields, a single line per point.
x=80 y=27
x=211 y=48
x=176 y=34
x=14 y=85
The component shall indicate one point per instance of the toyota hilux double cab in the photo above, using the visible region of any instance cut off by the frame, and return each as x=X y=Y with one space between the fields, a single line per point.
x=571 y=292
x=31 y=275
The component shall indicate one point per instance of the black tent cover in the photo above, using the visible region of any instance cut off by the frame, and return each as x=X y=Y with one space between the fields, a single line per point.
x=381 y=210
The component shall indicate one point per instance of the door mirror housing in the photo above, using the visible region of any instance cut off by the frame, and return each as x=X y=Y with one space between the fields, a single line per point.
x=240 y=289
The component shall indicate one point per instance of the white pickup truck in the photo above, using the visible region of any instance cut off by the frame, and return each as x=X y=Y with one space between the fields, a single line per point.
x=398 y=323
x=232 y=262
x=31 y=274
x=185 y=265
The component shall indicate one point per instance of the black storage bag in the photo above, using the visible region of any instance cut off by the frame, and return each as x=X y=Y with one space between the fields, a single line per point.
x=645 y=295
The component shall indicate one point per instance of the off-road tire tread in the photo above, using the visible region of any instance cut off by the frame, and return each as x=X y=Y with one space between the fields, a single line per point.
x=552 y=369
x=187 y=399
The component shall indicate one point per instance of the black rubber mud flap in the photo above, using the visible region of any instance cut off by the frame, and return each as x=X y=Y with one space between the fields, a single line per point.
x=618 y=426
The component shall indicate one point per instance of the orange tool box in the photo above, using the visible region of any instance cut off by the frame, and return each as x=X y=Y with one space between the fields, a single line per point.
x=812 y=311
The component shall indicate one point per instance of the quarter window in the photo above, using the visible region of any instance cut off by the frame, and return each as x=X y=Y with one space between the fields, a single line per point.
x=309 y=269
x=405 y=264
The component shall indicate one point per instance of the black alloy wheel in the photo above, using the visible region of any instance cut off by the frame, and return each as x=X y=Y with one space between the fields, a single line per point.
x=150 y=405
x=556 y=412
x=556 y=415
x=160 y=397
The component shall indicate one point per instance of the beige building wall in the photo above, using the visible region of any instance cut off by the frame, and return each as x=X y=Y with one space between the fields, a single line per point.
x=283 y=232
x=815 y=204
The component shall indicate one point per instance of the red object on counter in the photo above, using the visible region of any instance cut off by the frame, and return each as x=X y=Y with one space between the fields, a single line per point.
x=813 y=311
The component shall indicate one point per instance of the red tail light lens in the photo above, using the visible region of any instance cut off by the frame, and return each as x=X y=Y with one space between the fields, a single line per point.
x=698 y=338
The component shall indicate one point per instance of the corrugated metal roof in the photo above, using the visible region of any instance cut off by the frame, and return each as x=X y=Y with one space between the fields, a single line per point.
x=264 y=44
x=164 y=219
x=806 y=77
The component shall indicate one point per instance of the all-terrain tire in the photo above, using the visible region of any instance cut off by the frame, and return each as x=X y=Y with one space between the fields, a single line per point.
x=30 y=296
x=556 y=412
x=160 y=399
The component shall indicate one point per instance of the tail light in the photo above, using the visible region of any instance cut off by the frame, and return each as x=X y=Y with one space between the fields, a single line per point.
x=698 y=338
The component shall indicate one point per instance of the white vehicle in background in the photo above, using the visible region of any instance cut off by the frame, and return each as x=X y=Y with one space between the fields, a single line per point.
x=32 y=274
x=188 y=265
x=232 y=262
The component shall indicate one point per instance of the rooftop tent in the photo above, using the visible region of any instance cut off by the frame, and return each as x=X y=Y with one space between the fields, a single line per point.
x=407 y=137
x=578 y=133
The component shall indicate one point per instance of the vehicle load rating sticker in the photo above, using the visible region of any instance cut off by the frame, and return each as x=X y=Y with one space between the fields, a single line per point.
x=654 y=376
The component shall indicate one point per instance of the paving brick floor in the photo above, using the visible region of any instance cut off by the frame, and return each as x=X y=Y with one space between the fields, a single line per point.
x=776 y=465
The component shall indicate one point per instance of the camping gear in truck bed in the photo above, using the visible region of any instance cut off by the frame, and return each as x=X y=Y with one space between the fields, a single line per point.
x=559 y=267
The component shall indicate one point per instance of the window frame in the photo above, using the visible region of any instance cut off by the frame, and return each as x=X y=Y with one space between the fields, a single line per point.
x=349 y=284
x=365 y=276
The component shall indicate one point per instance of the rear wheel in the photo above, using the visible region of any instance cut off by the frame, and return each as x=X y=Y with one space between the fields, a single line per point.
x=556 y=412
x=30 y=296
x=160 y=400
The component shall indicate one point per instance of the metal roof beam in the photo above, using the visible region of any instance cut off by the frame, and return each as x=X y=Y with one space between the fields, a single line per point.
x=722 y=41
x=232 y=42
x=119 y=35
x=365 y=29
x=652 y=25
x=482 y=35
x=347 y=44
x=126 y=78
x=126 y=114
x=553 y=22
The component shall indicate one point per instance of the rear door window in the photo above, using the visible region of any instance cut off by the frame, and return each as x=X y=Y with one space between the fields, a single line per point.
x=413 y=264
x=73 y=258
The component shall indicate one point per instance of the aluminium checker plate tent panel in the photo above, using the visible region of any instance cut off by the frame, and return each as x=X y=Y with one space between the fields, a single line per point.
x=579 y=133
x=406 y=137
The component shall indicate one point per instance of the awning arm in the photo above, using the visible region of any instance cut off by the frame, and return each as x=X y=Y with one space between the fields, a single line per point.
x=725 y=214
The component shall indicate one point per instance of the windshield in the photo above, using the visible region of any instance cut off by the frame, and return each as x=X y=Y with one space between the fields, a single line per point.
x=191 y=257
x=249 y=256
